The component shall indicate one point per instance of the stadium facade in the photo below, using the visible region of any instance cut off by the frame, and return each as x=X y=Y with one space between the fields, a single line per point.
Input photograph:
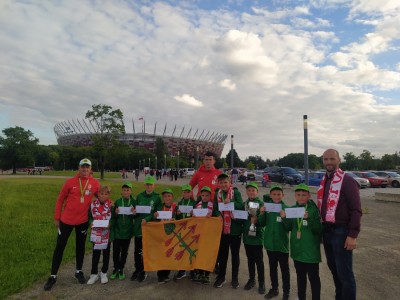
x=80 y=132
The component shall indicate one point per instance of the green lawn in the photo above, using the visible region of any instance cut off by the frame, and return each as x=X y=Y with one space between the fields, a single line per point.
x=27 y=232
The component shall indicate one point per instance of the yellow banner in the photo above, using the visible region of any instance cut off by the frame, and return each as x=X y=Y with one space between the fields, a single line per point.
x=186 y=244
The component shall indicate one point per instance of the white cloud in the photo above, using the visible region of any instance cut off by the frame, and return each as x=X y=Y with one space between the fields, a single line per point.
x=228 y=84
x=189 y=100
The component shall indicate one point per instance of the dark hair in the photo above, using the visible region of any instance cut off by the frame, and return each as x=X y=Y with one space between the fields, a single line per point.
x=210 y=153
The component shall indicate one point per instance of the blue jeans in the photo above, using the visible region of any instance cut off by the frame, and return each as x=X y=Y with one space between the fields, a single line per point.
x=340 y=261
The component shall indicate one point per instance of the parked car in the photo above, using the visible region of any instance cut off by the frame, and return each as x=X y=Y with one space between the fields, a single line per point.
x=392 y=177
x=374 y=179
x=259 y=175
x=363 y=182
x=314 y=178
x=284 y=175
x=188 y=171
x=251 y=176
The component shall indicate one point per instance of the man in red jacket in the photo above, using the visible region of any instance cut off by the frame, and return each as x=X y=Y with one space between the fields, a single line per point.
x=71 y=212
x=206 y=175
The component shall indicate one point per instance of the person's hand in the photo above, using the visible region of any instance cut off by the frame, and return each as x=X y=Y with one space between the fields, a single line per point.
x=133 y=210
x=57 y=223
x=253 y=220
x=144 y=221
x=226 y=201
x=305 y=215
x=156 y=214
x=209 y=214
x=178 y=212
x=283 y=214
x=117 y=210
x=262 y=210
x=350 y=243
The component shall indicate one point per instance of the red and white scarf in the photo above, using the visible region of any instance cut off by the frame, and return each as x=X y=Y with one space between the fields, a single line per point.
x=333 y=196
x=210 y=205
x=100 y=236
x=227 y=215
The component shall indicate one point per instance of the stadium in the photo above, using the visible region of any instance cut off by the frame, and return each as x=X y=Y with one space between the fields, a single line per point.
x=192 y=142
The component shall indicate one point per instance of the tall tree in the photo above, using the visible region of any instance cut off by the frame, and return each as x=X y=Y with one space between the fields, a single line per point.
x=109 y=125
x=17 y=147
x=236 y=160
x=366 y=160
x=350 y=161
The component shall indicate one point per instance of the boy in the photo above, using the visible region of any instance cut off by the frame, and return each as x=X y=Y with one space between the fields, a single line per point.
x=150 y=199
x=123 y=231
x=100 y=209
x=253 y=238
x=305 y=241
x=232 y=230
x=276 y=242
x=187 y=200
x=168 y=205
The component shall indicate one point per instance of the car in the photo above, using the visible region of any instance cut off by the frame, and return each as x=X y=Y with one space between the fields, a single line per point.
x=284 y=175
x=251 y=176
x=362 y=182
x=314 y=178
x=259 y=174
x=374 y=179
x=189 y=171
x=393 y=178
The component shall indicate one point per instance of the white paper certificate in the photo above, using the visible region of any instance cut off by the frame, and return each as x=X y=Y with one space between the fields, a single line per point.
x=200 y=212
x=273 y=207
x=124 y=210
x=295 y=212
x=186 y=209
x=142 y=209
x=226 y=207
x=164 y=215
x=240 y=214
x=100 y=223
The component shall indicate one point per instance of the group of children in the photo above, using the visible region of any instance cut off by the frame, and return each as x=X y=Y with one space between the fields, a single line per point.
x=260 y=227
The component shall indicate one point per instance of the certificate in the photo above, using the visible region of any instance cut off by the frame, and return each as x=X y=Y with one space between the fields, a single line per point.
x=142 y=209
x=164 y=215
x=100 y=223
x=124 y=210
x=226 y=207
x=186 y=209
x=295 y=212
x=200 y=212
x=240 y=214
x=273 y=207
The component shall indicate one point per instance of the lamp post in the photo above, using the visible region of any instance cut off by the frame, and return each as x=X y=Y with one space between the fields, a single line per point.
x=165 y=162
x=197 y=157
x=232 y=152
x=305 y=125
x=156 y=162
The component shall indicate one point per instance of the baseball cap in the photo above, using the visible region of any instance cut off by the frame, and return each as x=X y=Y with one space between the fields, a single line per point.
x=205 y=188
x=252 y=184
x=167 y=191
x=275 y=187
x=127 y=184
x=222 y=176
x=186 y=187
x=85 y=161
x=302 y=187
x=149 y=180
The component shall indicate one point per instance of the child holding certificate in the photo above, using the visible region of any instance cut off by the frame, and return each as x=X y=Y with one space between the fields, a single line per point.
x=253 y=238
x=99 y=218
x=228 y=198
x=146 y=204
x=276 y=242
x=305 y=241
x=123 y=229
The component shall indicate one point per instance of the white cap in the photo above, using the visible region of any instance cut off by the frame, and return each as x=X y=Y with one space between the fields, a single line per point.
x=85 y=161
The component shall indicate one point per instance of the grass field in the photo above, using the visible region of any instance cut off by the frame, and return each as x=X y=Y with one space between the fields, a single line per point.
x=27 y=232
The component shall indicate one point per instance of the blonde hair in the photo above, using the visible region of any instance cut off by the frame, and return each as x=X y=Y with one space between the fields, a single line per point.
x=105 y=188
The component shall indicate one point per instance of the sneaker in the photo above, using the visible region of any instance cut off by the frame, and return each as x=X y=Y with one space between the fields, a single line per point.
x=235 y=284
x=166 y=279
x=50 y=282
x=103 y=278
x=219 y=282
x=121 y=275
x=135 y=275
x=261 y=288
x=285 y=296
x=142 y=276
x=80 y=277
x=114 y=275
x=93 y=278
x=250 y=284
x=206 y=279
x=161 y=280
x=180 y=275
x=271 y=294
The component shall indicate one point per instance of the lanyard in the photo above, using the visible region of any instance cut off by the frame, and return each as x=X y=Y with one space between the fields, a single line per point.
x=300 y=221
x=84 y=188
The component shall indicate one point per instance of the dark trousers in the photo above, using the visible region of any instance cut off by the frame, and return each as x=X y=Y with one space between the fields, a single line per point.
x=340 y=262
x=312 y=270
x=120 y=253
x=62 y=239
x=275 y=257
x=163 y=274
x=96 y=259
x=138 y=254
x=254 y=255
x=232 y=242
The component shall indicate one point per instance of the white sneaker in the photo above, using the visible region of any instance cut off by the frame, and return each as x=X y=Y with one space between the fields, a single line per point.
x=103 y=278
x=93 y=278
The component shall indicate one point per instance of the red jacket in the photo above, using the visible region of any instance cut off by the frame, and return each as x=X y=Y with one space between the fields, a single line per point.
x=204 y=177
x=69 y=208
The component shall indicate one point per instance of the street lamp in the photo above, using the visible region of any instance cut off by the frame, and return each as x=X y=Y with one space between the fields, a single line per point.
x=232 y=152
x=165 y=161
x=305 y=149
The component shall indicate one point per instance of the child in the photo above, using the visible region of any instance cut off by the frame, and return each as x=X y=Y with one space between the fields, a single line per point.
x=123 y=231
x=187 y=200
x=305 y=241
x=253 y=240
x=100 y=209
x=168 y=205
x=205 y=202
x=146 y=198
x=276 y=242
x=232 y=230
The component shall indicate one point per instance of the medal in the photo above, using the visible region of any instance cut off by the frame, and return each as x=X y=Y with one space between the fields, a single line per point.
x=298 y=234
x=82 y=199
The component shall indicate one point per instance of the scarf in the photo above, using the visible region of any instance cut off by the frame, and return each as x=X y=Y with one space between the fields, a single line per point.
x=333 y=196
x=171 y=208
x=100 y=236
x=209 y=205
x=227 y=215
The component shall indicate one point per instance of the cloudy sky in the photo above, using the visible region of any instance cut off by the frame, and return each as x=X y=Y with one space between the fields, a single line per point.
x=247 y=68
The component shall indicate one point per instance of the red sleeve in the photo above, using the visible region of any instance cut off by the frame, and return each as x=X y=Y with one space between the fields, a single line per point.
x=61 y=200
x=194 y=181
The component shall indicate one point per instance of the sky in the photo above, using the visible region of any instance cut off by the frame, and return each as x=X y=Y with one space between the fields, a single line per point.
x=251 y=69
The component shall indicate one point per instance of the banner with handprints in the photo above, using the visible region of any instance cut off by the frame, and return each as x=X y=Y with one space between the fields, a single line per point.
x=186 y=244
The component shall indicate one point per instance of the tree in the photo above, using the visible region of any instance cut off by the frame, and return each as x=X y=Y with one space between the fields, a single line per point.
x=251 y=166
x=350 y=161
x=236 y=160
x=17 y=147
x=108 y=124
x=366 y=160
